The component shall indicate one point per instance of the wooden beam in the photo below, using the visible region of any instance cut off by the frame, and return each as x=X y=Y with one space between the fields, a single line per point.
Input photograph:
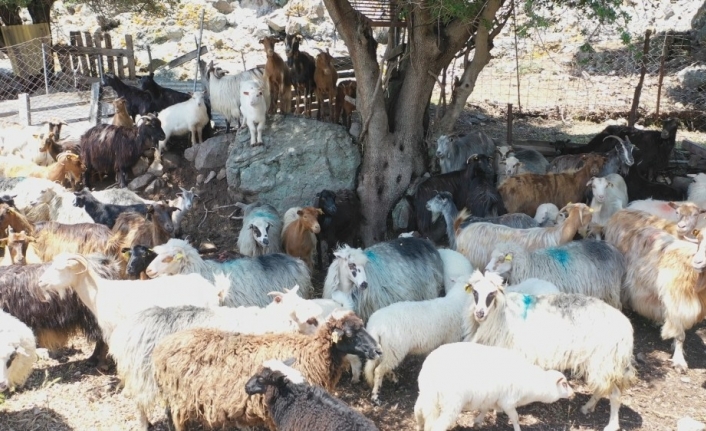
x=94 y=114
x=91 y=57
x=130 y=56
x=82 y=50
x=110 y=58
x=23 y=111
x=186 y=57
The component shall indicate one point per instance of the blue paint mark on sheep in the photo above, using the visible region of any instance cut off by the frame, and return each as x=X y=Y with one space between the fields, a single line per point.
x=372 y=257
x=560 y=255
x=528 y=302
x=264 y=214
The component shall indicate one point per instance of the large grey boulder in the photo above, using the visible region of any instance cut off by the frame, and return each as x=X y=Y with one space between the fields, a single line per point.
x=300 y=158
x=692 y=77
x=213 y=152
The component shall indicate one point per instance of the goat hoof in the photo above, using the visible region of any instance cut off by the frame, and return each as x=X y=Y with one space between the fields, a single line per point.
x=375 y=400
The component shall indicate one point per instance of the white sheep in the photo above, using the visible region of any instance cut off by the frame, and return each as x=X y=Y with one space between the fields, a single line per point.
x=469 y=376
x=563 y=331
x=135 y=338
x=548 y=215
x=588 y=267
x=261 y=231
x=184 y=117
x=113 y=301
x=697 y=189
x=456 y=267
x=184 y=201
x=441 y=318
x=253 y=109
x=610 y=194
x=250 y=277
x=17 y=352
x=533 y=286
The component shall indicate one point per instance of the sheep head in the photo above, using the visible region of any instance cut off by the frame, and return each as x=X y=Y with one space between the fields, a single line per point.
x=273 y=373
x=352 y=263
x=169 y=259
x=500 y=261
x=512 y=166
x=63 y=273
x=348 y=335
x=10 y=350
x=485 y=289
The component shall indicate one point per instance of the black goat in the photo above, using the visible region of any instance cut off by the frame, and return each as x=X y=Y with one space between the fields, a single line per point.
x=138 y=101
x=102 y=213
x=459 y=184
x=655 y=145
x=140 y=257
x=8 y=199
x=302 y=66
x=106 y=148
x=340 y=221
x=295 y=405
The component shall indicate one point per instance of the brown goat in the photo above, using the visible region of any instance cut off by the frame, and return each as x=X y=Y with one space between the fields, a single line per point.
x=11 y=218
x=16 y=245
x=344 y=107
x=67 y=165
x=121 y=117
x=299 y=236
x=524 y=193
x=278 y=75
x=132 y=228
x=52 y=238
x=325 y=77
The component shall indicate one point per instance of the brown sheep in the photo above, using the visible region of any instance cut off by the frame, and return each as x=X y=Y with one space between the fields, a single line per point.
x=121 y=117
x=202 y=373
x=156 y=228
x=325 y=77
x=344 y=107
x=278 y=75
x=524 y=193
x=622 y=226
x=299 y=236
x=67 y=165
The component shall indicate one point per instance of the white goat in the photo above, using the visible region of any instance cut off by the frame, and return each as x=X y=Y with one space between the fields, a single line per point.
x=499 y=379
x=610 y=194
x=250 y=277
x=134 y=339
x=665 y=281
x=112 y=301
x=686 y=215
x=564 y=331
x=589 y=267
x=476 y=241
x=224 y=91
x=441 y=318
x=184 y=201
x=17 y=352
x=182 y=118
x=547 y=215
x=254 y=109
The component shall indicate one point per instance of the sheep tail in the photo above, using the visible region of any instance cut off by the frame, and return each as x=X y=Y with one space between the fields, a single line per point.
x=460 y=218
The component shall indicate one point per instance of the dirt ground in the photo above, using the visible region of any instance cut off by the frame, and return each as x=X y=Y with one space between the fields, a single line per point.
x=64 y=394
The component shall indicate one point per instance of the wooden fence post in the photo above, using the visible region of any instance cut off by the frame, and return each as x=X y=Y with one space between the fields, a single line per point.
x=632 y=118
x=509 y=124
x=130 y=56
x=24 y=113
x=94 y=116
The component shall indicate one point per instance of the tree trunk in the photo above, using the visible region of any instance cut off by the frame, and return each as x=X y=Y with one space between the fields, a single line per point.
x=10 y=15
x=40 y=11
x=481 y=57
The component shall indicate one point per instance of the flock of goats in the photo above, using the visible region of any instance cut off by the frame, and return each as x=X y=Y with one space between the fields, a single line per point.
x=243 y=342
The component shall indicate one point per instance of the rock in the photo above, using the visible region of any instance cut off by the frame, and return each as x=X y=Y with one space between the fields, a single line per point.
x=221 y=174
x=223 y=6
x=215 y=23
x=213 y=152
x=156 y=168
x=381 y=35
x=211 y=175
x=401 y=214
x=140 y=182
x=312 y=9
x=262 y=30
x=698 y=23
x=300 y=25
x=689 y=424
x=190 y=153
x=174 y=33
x=140 y=167
x=277 y=20
x=355 y=129
x=170 y=161
x=154 y=186
x=692 y=77
x=199 y=179
x=256 y=4
x=301 y=157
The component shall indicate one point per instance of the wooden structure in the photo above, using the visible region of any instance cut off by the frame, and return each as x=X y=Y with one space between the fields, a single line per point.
x=382 y=13
x=23 y=45
x=90 y=54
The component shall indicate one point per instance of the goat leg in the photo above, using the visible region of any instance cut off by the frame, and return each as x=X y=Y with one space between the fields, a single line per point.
x=99 y=357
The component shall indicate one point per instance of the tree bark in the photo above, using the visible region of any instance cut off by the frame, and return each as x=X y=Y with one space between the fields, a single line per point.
x=10 y=14
x=40 y=11
x=481 y=58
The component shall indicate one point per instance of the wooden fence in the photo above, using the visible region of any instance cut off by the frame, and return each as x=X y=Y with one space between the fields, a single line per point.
x=93 y=53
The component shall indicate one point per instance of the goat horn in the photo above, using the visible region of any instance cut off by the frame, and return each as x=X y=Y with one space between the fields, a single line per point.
x=614 y=136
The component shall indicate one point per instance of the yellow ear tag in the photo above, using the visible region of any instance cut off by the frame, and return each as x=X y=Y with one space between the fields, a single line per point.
x=590 y=210
x=179 y=256
x=508 y=258
x=126 y=254
x=468 y=287
x=335 y=337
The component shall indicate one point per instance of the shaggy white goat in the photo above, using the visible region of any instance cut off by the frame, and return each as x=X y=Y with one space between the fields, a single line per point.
x=563 y=331
x=498 y=379
x=182 y=118
x=112 y=301
x=477 y=240
x=686 y=215
x=254 y=109
x=134 y=339
x=17 y=352
x=250 y=277
x=184 y=201
x=610 y=194
x=589 y=267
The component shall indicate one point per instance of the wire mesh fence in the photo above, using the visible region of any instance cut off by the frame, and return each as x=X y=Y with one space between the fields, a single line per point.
x=551 y=76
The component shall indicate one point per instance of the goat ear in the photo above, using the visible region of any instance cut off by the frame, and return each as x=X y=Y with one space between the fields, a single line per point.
x=180 y=195
x=319 y=210
x=673 y=205
x=289 y=361
x=337 y=335
x=590 y=181
x=300 y=212
x=172 y=209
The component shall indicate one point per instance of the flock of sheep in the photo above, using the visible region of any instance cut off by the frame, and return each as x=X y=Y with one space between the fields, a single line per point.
x=496 y=280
